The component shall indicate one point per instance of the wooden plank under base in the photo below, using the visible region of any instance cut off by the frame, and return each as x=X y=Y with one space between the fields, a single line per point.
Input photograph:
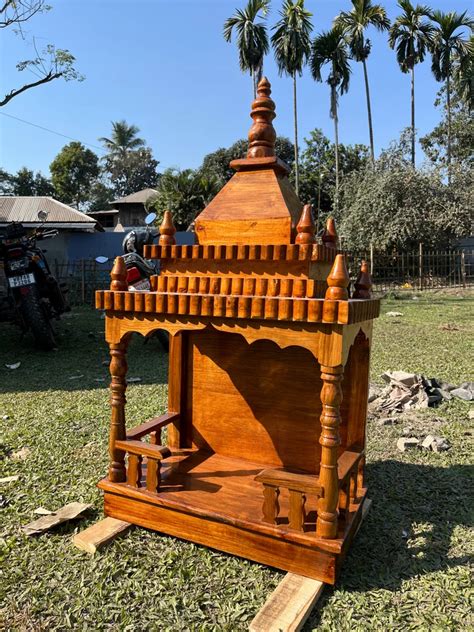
x=96 y=536
x=291 y=603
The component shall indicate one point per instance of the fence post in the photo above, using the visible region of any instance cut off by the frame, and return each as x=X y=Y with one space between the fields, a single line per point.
x=83 y=282
x=463 y=269
x=420 y=265
x=371 y=259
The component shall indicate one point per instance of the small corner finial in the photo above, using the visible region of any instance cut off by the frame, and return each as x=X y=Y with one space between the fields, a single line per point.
x=118 y=276
x=167 y=230
x=262 y=134
x=329 y=236
x=338 y=280
x=305 y=227
x=363 y=282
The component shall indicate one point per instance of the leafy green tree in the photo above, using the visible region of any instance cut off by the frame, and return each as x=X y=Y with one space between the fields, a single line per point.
x=132 y=171
x=74 y=172
x=449 y=44
x=461 y=138
x=25 y=182
x=184 y=193
x=411 y=34
x=216 y=164
x=291 y=42
x=395 y=206
x=123 y=139
x=354 y=23
x=49 y=64
x=6 y=184
x=252 y=39
x=318 y=170
x=330 y=48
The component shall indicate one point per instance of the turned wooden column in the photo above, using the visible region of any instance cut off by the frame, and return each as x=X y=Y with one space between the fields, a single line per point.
x=331 y=396
x=118 y=385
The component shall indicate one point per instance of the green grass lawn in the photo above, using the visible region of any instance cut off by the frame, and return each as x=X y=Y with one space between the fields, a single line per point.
x=407 y=569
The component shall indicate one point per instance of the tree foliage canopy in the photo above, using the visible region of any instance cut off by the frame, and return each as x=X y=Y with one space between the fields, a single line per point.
x=184 y=193
x=132 y=171
x=74 y=172
x=395 y=206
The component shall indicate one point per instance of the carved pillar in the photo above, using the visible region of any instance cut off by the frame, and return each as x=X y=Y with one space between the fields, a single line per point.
x=331 y=396
x=118 y=385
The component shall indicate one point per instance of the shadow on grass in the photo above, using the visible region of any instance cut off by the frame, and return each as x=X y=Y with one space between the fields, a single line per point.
x=80 y=361
x=408 y=530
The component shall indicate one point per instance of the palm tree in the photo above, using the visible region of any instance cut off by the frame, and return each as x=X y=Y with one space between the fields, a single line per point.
x=448 y=45
x=411 y=35
x=124 y=139
x=252 y=40
x=292 y=46
x=354 y=23
x=463 y=75
x=330 y=47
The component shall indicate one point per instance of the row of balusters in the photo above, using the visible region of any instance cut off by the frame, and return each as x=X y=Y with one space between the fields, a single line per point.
x=284 y=252
x=239 y=286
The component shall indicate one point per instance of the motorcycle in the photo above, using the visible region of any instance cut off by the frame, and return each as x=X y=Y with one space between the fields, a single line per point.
x=34 y=296
x=139 y=270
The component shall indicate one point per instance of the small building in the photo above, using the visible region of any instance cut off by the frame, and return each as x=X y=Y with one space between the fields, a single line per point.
x=71 y=224
x=127 y=212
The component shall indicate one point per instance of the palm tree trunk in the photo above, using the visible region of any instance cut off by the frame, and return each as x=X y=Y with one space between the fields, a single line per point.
x=369 y=111
x=413 y=116
x=448 y=107
x=252 y=73
x=295 y=114
x=336 y=146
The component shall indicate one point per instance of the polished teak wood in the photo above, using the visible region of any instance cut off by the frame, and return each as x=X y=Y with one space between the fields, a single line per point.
x=268 y=377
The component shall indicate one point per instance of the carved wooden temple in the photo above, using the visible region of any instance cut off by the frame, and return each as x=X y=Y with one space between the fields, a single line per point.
x=268 y=377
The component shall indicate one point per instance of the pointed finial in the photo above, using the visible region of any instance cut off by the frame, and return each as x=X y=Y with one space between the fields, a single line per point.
x=118 y=276
x=167 y=230
x=262 y=134
x=363 y=282
x=329 y=236
x=305 y=227
x=338 y=280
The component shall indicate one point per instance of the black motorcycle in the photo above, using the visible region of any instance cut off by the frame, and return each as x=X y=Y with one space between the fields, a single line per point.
x=139 y=270
x=34 y=296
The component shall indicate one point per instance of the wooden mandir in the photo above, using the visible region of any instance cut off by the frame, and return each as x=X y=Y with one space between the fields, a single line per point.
x=268 y=377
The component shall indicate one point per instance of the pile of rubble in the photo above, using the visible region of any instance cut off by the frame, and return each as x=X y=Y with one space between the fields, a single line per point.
x=406 y=391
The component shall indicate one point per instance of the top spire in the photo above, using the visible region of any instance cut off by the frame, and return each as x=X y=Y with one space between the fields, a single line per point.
x=262 y=134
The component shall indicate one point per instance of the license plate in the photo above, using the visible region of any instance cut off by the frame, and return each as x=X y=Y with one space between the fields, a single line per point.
x=141 y=286
x=21 y=280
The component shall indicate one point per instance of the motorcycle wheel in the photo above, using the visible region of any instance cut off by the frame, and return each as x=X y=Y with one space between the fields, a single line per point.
x=36 y=320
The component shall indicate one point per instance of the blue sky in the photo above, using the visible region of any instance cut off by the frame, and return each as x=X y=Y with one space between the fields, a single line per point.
x=164 y=66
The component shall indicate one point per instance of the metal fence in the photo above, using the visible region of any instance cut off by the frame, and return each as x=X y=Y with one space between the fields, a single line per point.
x=420 y=270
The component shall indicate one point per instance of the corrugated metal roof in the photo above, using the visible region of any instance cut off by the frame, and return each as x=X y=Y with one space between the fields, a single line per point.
x=25 y=209
x=140 y=197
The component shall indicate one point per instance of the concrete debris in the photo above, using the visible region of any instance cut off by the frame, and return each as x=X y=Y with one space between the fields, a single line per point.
x=407 y=443
x=471 y=414
x=427 y=442
x=407 y=391
x=394 y=314
x=387 y=421
x=440 y=444
x=462 y=393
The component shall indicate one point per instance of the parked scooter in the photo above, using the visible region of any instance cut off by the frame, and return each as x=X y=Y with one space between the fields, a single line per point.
x=139 y=270
x=34 y=296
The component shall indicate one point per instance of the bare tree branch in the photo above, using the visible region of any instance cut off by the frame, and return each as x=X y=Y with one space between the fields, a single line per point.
x=46 y=79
